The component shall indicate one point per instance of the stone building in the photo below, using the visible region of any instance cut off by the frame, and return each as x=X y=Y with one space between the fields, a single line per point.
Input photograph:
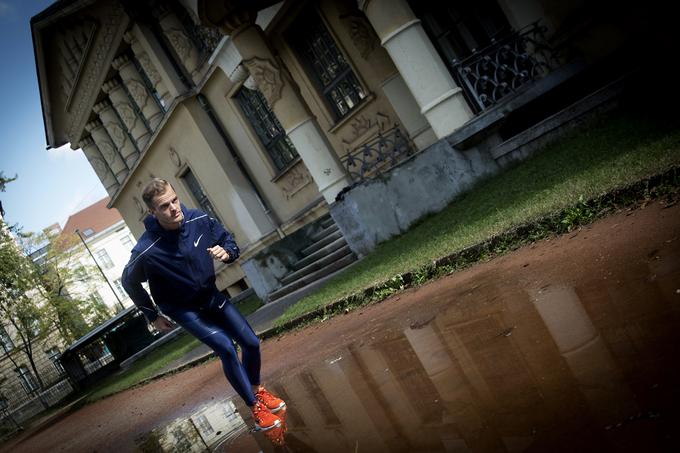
x=316 y=129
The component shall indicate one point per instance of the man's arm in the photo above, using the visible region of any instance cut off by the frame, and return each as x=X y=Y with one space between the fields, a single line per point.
x=225 y=240
x=133 y=276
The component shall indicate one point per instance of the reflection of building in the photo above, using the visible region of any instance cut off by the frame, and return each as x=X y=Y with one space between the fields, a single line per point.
x=304 y=101
x=205 y=430
x=500 y=370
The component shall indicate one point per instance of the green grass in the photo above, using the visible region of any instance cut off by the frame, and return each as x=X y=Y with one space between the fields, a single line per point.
x=144 y=368
x=150 y=365
x=249 y=305
x=614 y=152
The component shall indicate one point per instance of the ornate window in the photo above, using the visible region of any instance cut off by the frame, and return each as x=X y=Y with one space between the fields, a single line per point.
x=267 y=127
x=198 y=193
x=326 y=65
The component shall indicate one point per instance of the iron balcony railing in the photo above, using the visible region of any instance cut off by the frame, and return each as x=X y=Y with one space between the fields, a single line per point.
x=378 y=155
x=500 y=68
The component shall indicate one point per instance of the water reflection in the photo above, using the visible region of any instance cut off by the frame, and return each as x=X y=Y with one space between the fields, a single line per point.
x=206 y=430
x=506 y=367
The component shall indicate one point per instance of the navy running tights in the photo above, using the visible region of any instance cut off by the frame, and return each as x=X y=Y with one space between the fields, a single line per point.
x=218 y=327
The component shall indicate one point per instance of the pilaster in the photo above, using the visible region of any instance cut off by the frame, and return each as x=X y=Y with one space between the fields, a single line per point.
x=134 y=84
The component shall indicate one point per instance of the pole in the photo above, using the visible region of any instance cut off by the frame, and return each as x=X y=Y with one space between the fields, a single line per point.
x=100 y=269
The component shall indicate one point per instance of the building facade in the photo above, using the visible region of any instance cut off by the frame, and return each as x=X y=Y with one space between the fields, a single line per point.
x=272 y=115
x=109 y=242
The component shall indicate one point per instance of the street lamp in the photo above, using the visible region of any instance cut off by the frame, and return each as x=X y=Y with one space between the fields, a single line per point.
x=100 y=269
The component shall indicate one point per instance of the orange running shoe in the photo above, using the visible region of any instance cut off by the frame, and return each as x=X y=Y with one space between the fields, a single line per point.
x=272 y=403
x=264 y=419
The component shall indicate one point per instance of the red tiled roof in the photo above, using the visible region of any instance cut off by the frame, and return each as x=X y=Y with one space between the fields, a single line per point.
x=97 y=217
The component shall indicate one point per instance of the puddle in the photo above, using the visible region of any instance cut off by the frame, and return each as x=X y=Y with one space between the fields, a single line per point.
x=504 y=368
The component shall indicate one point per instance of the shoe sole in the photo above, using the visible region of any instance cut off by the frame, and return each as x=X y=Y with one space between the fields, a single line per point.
x=276 y=409
x=276 y=424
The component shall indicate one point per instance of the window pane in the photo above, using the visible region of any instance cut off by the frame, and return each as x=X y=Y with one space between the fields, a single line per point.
x=267 y=127
x=323 y=58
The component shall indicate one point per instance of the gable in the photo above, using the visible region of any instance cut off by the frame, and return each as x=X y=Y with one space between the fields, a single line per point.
x=74 y=46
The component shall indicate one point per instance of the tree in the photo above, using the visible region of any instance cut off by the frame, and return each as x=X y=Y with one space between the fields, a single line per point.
x=5 y=180
x=17 y=308
x=59 y=271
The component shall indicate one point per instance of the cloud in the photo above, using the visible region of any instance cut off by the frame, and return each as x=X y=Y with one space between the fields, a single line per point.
x=63 y=153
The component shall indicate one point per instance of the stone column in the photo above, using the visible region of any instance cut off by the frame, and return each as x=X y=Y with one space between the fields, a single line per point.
x=287 y=104
x=439 y=98
x=108 y=149
x=149 y=68
x=595 y=371
x=457 y=395
x=128 y=114
x=159 y=60
x=100 y=165
x=134 y=83
x=117 y=133
x=183 y=46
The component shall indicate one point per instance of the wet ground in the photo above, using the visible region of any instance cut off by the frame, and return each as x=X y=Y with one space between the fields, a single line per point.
x=567 y=345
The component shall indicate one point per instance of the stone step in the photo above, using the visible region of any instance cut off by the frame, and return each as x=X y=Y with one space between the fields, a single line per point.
x=325 y=232
x=316 y=265
x=330 y=248
x=313 y=277
x=322 y=243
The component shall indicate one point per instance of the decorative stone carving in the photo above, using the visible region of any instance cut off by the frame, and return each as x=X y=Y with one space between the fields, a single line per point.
x=267 y=77
x=180 y=42
x=115 y=18
x=174 y=157
x=294 y=180
x=107 y=151
x=100 y=168
x=138 y=92
x=362 y=124
x=117 y=134
x=362 y=34
x=127 y=114
x=139 y=205
x=74 y=43
x=149 y=68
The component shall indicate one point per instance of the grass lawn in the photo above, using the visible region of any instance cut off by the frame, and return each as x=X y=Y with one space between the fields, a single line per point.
x=156 y=360
x=616 y=151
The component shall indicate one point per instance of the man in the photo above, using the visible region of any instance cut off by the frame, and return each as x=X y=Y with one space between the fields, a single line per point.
x=175 y=255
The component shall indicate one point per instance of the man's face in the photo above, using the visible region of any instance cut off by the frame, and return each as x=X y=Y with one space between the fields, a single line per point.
x=167 y=210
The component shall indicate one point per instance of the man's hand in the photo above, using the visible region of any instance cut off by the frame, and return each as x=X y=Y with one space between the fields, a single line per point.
x=218 y=253
x=163 y=324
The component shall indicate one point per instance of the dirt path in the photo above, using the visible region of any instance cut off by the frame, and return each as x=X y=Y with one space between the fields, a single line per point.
x=622 y=241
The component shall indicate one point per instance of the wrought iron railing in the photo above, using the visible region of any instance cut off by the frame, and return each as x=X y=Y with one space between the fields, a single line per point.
x=491 y=73
x=378 y=155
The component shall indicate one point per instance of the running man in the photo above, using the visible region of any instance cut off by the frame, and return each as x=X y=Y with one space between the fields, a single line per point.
x=175 y=256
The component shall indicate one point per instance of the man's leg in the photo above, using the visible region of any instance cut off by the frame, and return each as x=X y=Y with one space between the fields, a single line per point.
x=244 y=335
x=214 y=335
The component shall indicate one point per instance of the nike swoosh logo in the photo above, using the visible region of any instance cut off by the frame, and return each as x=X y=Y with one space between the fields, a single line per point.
x=222 y=304
x=197 y=240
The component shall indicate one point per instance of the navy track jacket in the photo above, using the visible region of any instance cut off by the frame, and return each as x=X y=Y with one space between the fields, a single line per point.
x=176 y=263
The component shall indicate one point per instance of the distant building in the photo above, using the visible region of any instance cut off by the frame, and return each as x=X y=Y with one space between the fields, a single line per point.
x=20 y=394
x=110 y=242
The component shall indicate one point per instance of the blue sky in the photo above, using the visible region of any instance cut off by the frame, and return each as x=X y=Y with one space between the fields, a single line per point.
x=52 y=184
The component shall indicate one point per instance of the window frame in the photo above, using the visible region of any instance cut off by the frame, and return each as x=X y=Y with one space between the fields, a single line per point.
x=293 y=34
x=240 y=100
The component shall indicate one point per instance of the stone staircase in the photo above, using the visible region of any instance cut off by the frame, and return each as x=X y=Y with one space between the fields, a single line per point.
x=327 y=254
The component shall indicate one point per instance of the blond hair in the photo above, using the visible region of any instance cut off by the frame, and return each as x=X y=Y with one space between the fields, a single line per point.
x=154 y=187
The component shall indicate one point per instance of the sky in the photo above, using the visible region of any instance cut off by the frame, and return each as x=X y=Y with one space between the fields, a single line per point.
x=51 y=184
